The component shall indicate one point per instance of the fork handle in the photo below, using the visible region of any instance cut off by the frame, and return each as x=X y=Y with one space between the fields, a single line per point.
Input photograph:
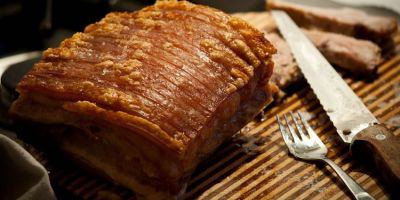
x=354 y=187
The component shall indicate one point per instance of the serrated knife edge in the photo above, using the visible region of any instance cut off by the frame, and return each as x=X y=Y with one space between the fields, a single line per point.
x=348 y=122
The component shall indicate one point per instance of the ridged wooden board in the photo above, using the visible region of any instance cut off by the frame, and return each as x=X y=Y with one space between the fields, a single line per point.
x=255 y=164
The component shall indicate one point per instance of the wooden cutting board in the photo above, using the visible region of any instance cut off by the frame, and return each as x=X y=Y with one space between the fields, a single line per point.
x=255 y=164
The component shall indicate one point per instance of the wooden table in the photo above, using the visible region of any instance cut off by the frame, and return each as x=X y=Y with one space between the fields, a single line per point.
x=256 y=164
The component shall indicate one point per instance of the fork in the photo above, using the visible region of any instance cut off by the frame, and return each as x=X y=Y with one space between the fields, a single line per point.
x=306 y=145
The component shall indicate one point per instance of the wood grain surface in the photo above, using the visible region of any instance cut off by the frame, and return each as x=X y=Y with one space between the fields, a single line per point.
x=255 y=164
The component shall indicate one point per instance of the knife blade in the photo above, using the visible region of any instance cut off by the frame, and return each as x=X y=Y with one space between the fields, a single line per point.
x=355 y=124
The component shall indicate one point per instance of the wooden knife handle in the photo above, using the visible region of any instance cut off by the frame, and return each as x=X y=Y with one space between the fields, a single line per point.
x=378 y=146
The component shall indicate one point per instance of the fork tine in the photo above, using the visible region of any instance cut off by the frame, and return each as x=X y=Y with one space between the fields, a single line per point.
x=291 y=130
x=310 y=130
x=283 y=131
x=298 y=126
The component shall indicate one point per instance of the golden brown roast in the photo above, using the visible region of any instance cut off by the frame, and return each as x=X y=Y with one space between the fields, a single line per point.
x=143 y=97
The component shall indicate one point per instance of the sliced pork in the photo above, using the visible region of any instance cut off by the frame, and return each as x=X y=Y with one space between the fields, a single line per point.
x=347 y=21
x=361 y=57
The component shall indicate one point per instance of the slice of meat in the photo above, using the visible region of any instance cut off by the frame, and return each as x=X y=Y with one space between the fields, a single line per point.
x=346 y=21
x=361 y=57
x=143 y=97
x=286 y=71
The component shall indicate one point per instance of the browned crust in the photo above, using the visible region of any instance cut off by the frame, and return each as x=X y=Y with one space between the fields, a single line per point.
x=115 y=65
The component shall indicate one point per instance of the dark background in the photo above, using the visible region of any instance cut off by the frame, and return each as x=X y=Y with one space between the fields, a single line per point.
x=38 y=24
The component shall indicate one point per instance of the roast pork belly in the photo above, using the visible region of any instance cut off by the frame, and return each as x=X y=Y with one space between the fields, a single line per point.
x=143 y=97
x=347 y=21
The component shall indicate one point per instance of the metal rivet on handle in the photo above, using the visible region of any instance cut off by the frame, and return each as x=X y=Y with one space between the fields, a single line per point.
x=380 y=137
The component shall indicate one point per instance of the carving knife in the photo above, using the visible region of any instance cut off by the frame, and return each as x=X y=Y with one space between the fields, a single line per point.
x=369 y=140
